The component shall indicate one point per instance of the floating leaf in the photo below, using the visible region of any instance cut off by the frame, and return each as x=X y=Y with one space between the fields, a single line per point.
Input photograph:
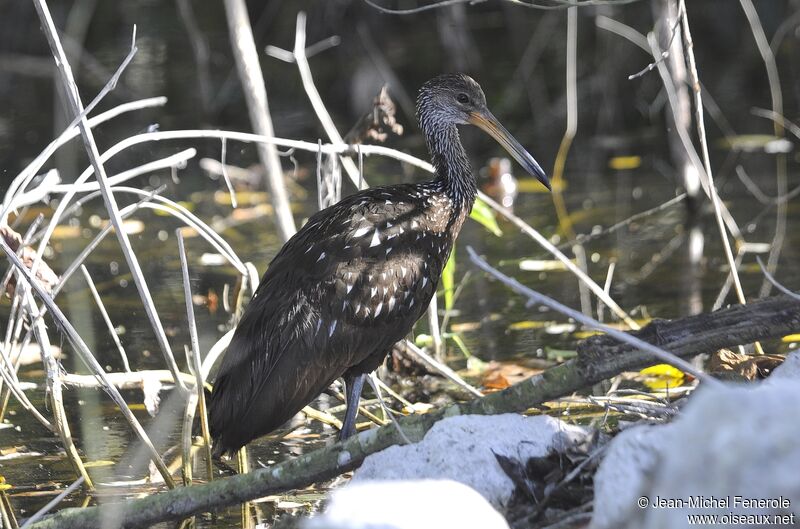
x=98 y=464
x=756 y=143
x=541 y=265
x=484 y=215
x=662 y=376
x=621 y=163
x=582 y=335
x=528 y=324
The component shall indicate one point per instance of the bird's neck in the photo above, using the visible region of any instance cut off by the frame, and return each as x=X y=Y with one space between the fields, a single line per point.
x=451 y=165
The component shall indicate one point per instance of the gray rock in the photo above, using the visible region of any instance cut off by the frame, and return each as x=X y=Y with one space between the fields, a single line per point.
x=740 y=441
x=461 y=448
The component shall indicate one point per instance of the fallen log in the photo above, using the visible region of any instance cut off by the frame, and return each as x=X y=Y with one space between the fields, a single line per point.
x=599 y=358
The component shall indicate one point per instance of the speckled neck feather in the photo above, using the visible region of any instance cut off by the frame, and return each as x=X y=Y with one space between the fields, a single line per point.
x=451 y=163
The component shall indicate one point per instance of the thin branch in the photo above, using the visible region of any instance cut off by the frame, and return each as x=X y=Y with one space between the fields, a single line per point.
x=22 y=180
x=252 y=79
x=76 y=106
x=83 y=351
x=52 y=503
x=536 y=297
x=547 y=245
x=314 y=97
x=195 y=354
x=774 y=281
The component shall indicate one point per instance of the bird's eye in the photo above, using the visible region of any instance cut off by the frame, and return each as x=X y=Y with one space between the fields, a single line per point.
x=463 y=98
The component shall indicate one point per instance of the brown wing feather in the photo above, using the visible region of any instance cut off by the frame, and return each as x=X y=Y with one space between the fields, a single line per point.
x=338 y=295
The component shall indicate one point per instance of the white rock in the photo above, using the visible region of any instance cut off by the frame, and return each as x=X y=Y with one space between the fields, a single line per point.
x=740 y=440
x=462 y=448
x=424 y=504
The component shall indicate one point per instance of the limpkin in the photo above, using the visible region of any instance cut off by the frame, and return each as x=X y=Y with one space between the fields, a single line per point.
x=353 y=280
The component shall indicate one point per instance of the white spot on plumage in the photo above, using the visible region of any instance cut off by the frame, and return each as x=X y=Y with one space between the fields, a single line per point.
x=400 y=230
x=376 y=240
x=349 y=288
x=388 y=249
x=332 y=328
x=319 y=324
x=321 y=257
x=309 y=249
x=391 y=304
x=361 y=231
x=374 y=290
x=378 y=309
x=403 y=271
x=424 y=281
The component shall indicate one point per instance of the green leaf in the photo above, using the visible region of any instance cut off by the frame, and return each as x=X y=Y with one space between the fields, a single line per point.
x=484 y=215
x=449 y=280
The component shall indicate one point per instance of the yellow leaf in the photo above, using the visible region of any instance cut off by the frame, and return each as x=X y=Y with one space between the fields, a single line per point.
x=529 y=324
x=662 y=376
x=98 y=463
x=625 y=162
x=582 y=335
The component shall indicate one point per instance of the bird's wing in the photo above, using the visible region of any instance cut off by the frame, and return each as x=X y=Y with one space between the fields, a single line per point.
x=346 y=287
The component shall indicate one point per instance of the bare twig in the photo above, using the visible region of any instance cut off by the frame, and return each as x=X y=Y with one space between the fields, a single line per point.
x=52 y=503
x=774 y=281
x=777 y=108
x=195 y=355
x=87 y=357
x=664 y=54
x=547 y=245
x=22 y=180
x=256 y=95
x=701 y=133
x=106 y=318
x=313 y=95
x=73 y=97
x=535 y=297
x=553 y=4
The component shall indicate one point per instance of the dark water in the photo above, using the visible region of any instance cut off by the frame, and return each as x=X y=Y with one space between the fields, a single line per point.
x=516 y=54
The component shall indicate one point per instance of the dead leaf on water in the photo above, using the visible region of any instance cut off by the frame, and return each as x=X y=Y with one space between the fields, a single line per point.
x=729 y=365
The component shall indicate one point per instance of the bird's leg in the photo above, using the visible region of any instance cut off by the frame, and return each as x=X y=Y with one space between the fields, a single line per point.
x=352 y=388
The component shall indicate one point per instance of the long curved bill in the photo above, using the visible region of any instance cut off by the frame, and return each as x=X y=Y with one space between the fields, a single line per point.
x=486 y=121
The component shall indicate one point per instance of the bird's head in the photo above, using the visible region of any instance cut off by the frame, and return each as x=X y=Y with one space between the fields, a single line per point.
x=456 y=99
